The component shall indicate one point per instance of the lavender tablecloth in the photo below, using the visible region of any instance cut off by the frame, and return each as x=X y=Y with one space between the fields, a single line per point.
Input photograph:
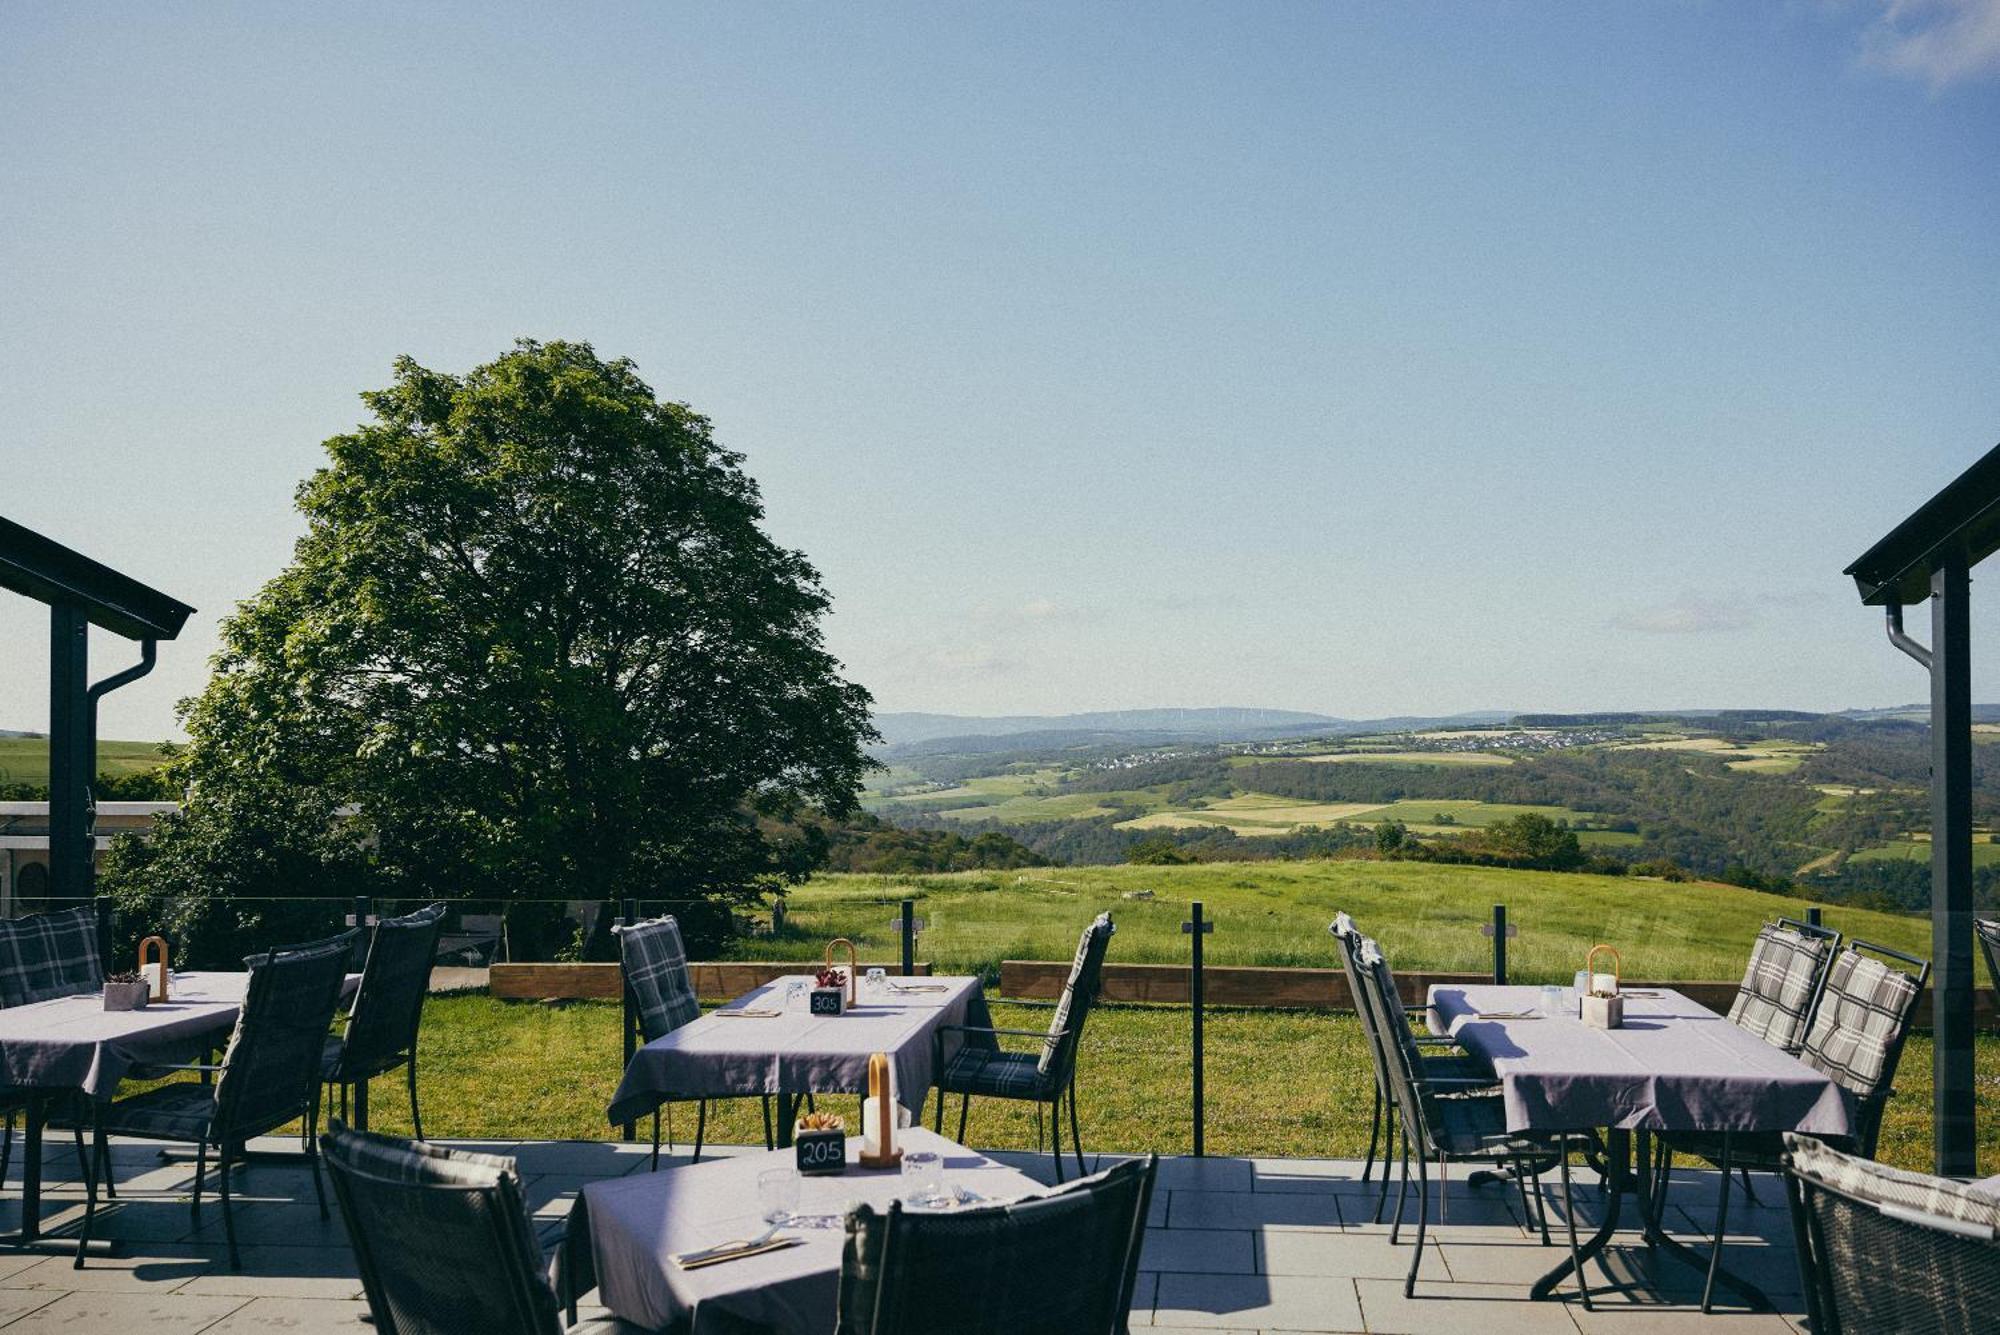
x=1674 y=1066
x=797 y=1053
x=74 y=1043
x=634 y=1224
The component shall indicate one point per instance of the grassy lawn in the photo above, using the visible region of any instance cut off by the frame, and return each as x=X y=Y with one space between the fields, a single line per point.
x=1984 y=852
x=1279 y=1083
x=1428 y=916
x=26 y=759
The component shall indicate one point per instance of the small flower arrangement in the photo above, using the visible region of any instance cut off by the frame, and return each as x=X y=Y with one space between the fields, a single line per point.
x=829 y=991
x=126 y=991
x=819 y=1121
x=819 y=1143
x=830 y=977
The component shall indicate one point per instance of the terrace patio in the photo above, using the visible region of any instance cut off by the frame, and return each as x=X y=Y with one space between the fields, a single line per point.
x=1269 y=1245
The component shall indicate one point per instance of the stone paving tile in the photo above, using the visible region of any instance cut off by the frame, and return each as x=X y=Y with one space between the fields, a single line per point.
x=1199 y=1251
x=19 y=1302
x=161 y=1268
x=282 y=1272
x=1285 y=1251
x=1282 y=1302
x=139 y=1313
x=1641 y=1319
x=1454 y=1309
x=293 y=1316
x=1190 y=1174
x=1246 y=1209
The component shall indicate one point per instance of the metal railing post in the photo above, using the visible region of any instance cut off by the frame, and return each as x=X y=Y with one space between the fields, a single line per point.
x=628 y=914
x=909 y=937
x=1197 y=928
x=1500 y=945
x=1813 y=916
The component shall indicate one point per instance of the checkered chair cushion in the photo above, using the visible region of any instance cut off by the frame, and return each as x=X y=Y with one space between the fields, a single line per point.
x=1079 y=994
x=49 y=955
x=656 y=971
x=1012 y=1075
x=270 y=1070
x=1858 y=1031
x=389 y=1004
x=183 y=1111
x=1879 y=1184
x=1775 y=998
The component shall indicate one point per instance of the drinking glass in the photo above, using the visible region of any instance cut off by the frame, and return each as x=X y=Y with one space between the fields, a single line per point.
x=1552 y=1000
x=923 y=1178
x=778 y=1194
x=795 y=994
x=1580 y=986
x=878 y=981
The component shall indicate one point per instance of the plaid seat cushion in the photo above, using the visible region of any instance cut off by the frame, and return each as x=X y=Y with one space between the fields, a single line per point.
x=1878 y=1184
x=1860 y=1024
x=1778 y=987
x=1078 y=995
x=49 y=955
x=1013 y=1075
x=656 y=971
x=180 y=1111
x=417 y=1163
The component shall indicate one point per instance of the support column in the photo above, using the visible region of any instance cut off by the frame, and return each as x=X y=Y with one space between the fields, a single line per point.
x=70 y=762
x=1954 y=1143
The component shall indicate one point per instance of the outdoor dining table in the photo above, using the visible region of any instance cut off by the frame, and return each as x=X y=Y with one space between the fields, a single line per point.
x=759 y=1044
x=1674 y=1065
x=630 y=1228
x=71 y=1045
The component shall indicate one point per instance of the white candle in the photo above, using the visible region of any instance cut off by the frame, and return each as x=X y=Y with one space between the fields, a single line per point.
x=1604 y=984
x=155 y=985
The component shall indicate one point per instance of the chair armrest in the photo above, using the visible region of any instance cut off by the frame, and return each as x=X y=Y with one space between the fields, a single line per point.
x=984 y=1029
x=185 y=1066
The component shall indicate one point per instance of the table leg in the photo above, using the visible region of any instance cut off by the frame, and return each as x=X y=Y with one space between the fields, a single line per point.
x=1659 y=1238
x=788 y=1113
x=1618 y=1151
x=31 y=1172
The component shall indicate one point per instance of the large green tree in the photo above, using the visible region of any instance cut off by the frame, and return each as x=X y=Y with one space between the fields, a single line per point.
x=534 y=645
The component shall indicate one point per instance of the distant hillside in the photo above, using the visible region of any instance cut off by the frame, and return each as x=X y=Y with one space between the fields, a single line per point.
x=1145 y=726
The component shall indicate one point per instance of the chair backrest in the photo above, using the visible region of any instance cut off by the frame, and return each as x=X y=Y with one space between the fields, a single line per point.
x=442 y=1238
x=1079 y=994
x=1347 y=938
x=1064 y=1263
x=1857 y=1033
x=48 y=955
x=656 y=976
x=389 y=1004
x=270 y=1070
x=1881 y=1249
x=1788 y=964
x=1988 y=931
x=1401 y=1062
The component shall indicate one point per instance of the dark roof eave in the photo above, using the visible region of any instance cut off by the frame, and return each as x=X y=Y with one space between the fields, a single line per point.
x=1964 y=516
x=45 y=570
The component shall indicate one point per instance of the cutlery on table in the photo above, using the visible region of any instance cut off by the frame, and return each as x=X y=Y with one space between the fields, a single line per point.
x=767 y=1241
x=748 y=1013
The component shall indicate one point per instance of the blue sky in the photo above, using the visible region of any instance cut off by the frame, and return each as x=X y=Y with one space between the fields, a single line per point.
x=1365 y=359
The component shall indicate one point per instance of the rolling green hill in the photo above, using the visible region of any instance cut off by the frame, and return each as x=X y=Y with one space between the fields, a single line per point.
x=26 y=759
x=1427 y=916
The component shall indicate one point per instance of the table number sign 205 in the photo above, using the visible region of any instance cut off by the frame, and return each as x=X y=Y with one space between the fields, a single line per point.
x=823 y=1151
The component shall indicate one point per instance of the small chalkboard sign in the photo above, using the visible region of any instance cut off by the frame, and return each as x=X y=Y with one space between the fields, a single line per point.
x=828 y=1000
x=820 y=1152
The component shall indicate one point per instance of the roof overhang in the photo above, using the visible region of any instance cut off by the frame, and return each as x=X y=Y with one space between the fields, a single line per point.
x=1964 y=517
x=43 y=569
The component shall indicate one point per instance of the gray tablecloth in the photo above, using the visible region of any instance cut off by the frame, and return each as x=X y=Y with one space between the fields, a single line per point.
x=1674 y=1066
x=74 y=1043
x=634 y=1224
x=798 y=1053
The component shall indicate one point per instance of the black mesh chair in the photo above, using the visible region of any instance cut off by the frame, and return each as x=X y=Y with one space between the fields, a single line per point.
x=382 y=1024
x=443 y=1240
x=1060 y=1264
x=981 y=1066
x=1885 y=1250
x=660 y=998
x=1858 y=1029
x=1442 y=1060
x=1782 y=983
x=268 y=1076
x=1441 y=1129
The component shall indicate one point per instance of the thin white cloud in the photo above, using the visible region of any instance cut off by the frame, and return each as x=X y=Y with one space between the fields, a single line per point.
x=1687 y=615
x=970 y=659
x=1941 y=42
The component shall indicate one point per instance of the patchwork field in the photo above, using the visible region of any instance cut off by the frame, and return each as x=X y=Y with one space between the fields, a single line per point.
x=26 y=759
x=1413 y=758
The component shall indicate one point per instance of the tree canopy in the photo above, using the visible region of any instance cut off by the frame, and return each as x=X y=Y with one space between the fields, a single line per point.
x=534 y=644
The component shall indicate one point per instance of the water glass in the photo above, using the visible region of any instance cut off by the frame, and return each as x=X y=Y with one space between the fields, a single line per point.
x=778 y=1194
x=878 y=981
x=796 y=992
x=923 y=1178
x=1580 y=986
x=1552 y=1000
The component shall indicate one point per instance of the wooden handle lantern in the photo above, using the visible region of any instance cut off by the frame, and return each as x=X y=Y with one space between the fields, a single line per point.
x=853 y=967
x=1617 y=969
x=159 y=979
x=881 y=1106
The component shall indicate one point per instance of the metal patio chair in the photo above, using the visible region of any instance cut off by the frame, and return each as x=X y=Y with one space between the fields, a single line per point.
x=661 y=999
x=1444 y=1130
x=382 y=1024
x=44 y=956
x=269 y=1075
x=1859 y=1026
x=981 y=1066
x=443 y=1240
x=1442 y=1056
x=1065 y=1263
x=1988 y=932
x=1885 y=1250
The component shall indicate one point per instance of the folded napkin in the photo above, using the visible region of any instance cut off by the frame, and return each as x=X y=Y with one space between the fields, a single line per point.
x=747 y=1013
x=919 y=987
x=732 y=1251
